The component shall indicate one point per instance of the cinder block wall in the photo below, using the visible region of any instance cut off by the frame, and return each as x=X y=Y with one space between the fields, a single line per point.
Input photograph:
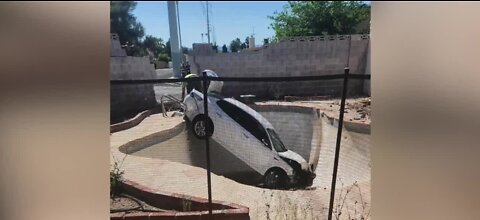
x=128 y=100
x=115 y=47
x=301 y=56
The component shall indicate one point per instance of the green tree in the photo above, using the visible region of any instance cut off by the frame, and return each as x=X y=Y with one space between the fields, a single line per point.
x=163 y=57
x=244 y=45
x=235 y=45
x=154 y=45
x=311 y=18
x=224 y=49
x=168 y=49
x=125 y=24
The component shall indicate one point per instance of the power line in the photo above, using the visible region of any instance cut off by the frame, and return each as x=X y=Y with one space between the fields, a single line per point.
x=208 y=24
x=212 y=23
x=206 y=12
x=203 y=8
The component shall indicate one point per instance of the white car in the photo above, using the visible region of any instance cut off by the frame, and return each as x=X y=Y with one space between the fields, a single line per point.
x=247 y=135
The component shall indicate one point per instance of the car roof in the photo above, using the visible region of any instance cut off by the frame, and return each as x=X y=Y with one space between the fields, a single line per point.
x=250 y=111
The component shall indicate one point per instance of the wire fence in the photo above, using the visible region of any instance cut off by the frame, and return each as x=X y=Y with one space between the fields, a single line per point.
x=208 y=125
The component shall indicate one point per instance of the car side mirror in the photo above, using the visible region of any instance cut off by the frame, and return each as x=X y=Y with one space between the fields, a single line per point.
x=191 y=95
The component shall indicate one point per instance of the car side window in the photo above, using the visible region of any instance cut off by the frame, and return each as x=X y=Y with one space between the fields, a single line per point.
x=230 y=109
x=246 y=121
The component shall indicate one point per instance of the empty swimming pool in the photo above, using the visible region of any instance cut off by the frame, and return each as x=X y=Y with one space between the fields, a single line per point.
x=301 y=129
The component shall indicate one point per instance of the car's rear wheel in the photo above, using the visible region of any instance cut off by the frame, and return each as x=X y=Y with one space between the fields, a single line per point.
x=275 y=179
x=199 y=127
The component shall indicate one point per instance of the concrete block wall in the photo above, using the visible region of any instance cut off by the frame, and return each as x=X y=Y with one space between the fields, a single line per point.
x=300 y=56
x=123 y=68
x=116 y=49
x=202 y=49
x=128 y=100
x=161 y=64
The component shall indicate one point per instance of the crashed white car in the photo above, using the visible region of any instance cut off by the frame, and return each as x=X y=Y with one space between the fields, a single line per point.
x=247 y=135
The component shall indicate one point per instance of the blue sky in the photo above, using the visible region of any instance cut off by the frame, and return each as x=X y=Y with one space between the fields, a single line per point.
x=230 y=20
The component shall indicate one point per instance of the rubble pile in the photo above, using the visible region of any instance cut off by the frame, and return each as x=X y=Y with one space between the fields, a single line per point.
x=359 y=108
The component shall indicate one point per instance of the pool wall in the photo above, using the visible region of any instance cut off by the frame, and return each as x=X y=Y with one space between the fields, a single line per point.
x=298 y=127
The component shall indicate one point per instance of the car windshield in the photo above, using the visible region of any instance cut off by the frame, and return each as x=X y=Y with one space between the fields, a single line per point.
x=277 y=143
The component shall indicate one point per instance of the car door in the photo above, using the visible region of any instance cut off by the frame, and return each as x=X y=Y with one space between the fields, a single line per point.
x=222 y=123
x=243 y=138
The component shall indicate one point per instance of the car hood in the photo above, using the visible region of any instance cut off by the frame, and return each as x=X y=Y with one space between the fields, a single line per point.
x=296 y=157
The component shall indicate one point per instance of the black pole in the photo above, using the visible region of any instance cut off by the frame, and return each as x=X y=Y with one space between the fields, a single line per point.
x=339 y=139
x=183 y=83
x=207 y=143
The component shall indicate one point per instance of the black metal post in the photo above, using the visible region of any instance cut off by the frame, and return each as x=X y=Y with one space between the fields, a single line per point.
x=207 y=142
x=339 y=139
x=183 y=83
x=183 y=90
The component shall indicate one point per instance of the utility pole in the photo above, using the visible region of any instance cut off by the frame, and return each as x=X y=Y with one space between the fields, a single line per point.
x=174 y=41
x=208 y=25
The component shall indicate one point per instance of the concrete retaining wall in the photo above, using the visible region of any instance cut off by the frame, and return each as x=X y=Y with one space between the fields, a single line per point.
x=303 y=56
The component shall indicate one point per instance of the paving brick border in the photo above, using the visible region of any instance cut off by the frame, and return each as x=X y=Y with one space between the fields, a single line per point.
x=136 y=120
x=130 y=122
x=165 y=200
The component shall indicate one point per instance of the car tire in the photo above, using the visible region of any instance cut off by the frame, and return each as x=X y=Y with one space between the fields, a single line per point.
x=198 y=127
x=275 y=179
